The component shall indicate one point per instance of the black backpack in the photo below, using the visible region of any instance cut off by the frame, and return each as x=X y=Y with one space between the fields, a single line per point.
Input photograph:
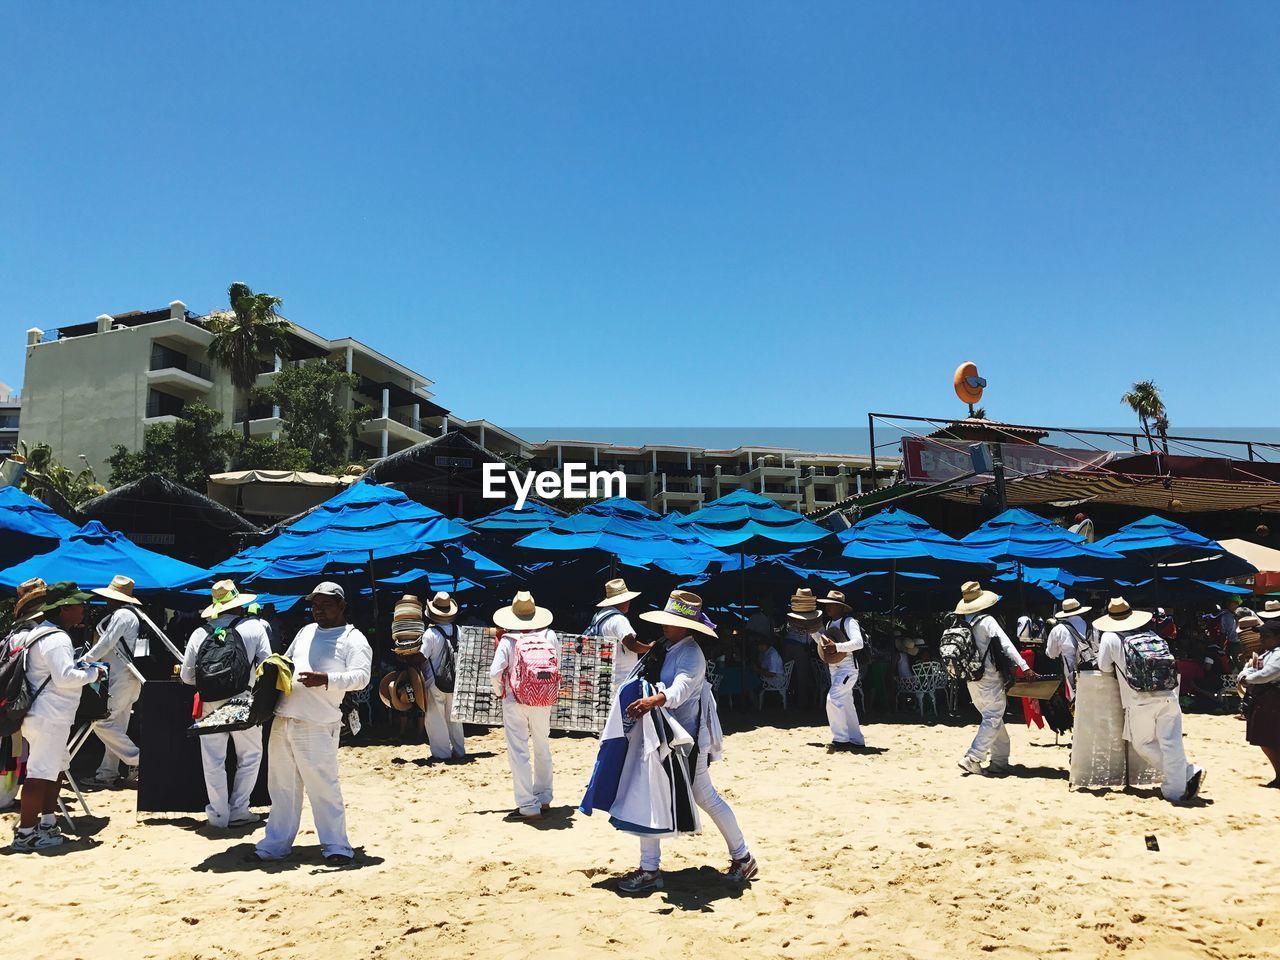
x=445 y=677
x=222 y=664
x=16 y=697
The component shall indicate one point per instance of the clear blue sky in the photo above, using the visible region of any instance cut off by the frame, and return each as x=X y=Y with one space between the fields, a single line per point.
x=655 y=214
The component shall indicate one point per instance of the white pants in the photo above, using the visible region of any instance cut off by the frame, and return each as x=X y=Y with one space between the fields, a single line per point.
x=1154 y=728
x=48 y=753
x=213 y=751
x=706 y=797
x=444 y=734
x=304 y=756
x=842 y=714
x=526 y=728
x=123 y=690
x=992 y=737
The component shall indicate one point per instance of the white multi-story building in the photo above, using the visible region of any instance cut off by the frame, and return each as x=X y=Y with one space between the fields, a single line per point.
x=93 y=385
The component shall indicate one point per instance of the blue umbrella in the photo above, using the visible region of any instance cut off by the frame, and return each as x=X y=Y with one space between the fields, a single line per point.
x=747 y=522
x=653 y=542
x=1019 y=536
x=902 y=541
x=621 y=507
x=93 y=555
x=28 y=526
x=506 y=520
x=1156 y=542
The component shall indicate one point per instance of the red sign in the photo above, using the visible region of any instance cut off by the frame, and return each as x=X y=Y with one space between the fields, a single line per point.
x=933 y=461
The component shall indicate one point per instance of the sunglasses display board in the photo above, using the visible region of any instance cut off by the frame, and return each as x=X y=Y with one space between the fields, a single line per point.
x=586 y=681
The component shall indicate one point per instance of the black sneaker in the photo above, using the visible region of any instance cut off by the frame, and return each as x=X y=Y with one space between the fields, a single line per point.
x=1194 y=785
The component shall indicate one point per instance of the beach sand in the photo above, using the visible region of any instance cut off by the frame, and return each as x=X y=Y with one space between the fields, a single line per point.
x=888 y=855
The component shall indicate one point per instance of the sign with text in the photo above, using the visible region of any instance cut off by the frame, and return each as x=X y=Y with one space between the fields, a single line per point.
x=933 y=461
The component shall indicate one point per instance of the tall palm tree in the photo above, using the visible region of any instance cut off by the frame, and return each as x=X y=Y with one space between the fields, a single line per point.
x=1144 y=400
x=243 y=334
x=48 y=480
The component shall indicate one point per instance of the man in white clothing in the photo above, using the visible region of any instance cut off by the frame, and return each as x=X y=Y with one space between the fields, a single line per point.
x=120 y=641
x=439 y=654
x=55 y=680
x=1066 y=638
x=987 y=692
x=527 y=726
x=227 y=623
x=329 y=657
x=611 y=623
x=1152 y=718
x=840 y=641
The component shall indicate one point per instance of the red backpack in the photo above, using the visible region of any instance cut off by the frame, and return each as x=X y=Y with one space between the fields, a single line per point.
x=535 y=669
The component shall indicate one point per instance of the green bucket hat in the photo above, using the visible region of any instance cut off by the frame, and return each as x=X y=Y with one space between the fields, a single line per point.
x=63 y=594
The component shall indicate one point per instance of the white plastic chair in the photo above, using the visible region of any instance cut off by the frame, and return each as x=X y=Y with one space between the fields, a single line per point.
x=931 y=680
x=363 y=700
x=908 y=687
x=777 y=684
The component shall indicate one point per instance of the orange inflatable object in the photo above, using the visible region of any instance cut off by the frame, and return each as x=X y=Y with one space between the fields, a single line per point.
x=968 y=384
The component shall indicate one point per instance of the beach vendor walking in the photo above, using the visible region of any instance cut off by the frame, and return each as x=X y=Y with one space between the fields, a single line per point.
x=681 y=690
x=120 y=641
x=1148 y=678
x=330 y=657
x=838 y=647
x=1066 y=638
x=219 y=662
x=525 y=673
x=987 y=647
x=1262 y=677
x=440 y=656
x=54 y=680
x=610 y=622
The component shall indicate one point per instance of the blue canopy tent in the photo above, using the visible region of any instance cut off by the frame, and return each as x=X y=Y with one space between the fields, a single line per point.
x=28 y=527
x=92 y=555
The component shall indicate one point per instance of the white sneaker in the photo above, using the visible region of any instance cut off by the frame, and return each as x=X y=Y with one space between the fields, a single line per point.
x=970 y=765
x=35 y=840
x=245 y=819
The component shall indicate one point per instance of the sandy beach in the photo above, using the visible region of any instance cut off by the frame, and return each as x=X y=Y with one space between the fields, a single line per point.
x=888 y=855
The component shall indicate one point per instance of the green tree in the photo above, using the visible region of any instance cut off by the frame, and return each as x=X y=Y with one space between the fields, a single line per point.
x=1145 y=400
x=49 y=481
x=243 y=334
x=313 y=411
x=263 y=453
x=185 y=451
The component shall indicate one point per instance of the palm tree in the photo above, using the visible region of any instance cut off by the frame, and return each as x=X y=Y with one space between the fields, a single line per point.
x=243 y=334
x=1144 y=400
x=48 y=480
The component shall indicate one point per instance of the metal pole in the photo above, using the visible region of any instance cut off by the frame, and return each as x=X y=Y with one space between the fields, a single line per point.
x=871 y=433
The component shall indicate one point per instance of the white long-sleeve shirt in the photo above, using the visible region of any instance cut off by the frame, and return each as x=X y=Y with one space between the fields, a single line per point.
x=1267 y=671
x=771 y=662
x=341 y=652
x=435 y=650
x=616 y=627
x=1062 y=642
x=1111 y=658
x=850 y=646
x=504 y=657
x=121 y=629
x=683 y=675
x=257 y=646
x=985 y=630
x=52 y=658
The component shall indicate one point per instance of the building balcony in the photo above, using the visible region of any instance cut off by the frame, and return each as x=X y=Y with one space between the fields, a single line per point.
x=152 y=420
x=397 y=426
x=180 y=334
x=180 y=381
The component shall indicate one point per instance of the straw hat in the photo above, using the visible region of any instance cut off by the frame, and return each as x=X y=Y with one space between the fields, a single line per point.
x=523 y=614
x=804 y=606
x=834 y=604
x=31 y=594
x=406 y=620
x=1071 y=608
x=1270 y=610
x=683 y=609
x=403 y=690
x=1120 y=616
x=120 y=588
x=226 y=597
x=616 y=592
x=384 y=687
x=908 y=645
x=442 y=608
x=974 y=599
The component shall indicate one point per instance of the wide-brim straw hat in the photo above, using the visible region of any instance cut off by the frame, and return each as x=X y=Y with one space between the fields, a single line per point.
x=1120 y=616
x=804 y=606
x=974 y=599
x=384 y=687
x=31 y=594
x=226 y=597
x=1270 y=610
x=402 y=690
x=616 y=592
x=407 y=622
x=1071 y=608
x=442 y=608
x=523 y=614
x=683 y=609
x=834 y=604
x=120 y=588
x=908 y=645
